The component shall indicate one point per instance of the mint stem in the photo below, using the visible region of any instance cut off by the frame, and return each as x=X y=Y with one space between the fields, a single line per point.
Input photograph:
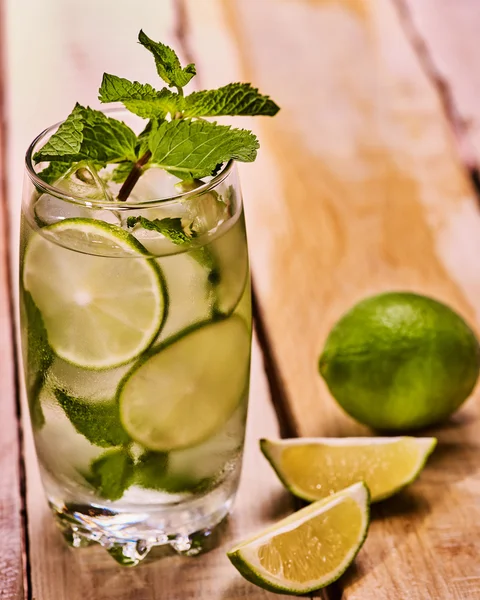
x=133 y=176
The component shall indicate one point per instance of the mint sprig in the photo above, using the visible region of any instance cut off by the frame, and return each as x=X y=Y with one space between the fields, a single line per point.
x=176 y=138
x=168 y=63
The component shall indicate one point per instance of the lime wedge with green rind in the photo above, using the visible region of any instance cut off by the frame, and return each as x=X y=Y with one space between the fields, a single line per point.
x=98 y=313
x=314 y=468
x=184 y=391
x=309 y=549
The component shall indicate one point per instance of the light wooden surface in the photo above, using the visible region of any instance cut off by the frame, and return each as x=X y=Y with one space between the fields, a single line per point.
x=446 y=33
x=368 y=195
x=359 y=187
x=11 y=534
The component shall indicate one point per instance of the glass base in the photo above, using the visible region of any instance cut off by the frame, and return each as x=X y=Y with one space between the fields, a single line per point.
x=129 y=537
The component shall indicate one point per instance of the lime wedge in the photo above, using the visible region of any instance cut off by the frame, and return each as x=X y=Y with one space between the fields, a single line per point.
x=188 y=388
x=309 y=549
x=99 y=312
x=314 y=468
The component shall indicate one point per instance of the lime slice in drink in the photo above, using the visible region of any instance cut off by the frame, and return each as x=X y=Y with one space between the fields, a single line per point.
x=315 y=468
x=309 y=549
x=230 y=267
x=188 y=388
x=99 y=312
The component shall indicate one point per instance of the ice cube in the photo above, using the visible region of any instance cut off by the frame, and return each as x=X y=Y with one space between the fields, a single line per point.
x=154 y=184
x=154 y=242
x=206 y=212
x=49 y=209
x=81 y=181
x=84 y=181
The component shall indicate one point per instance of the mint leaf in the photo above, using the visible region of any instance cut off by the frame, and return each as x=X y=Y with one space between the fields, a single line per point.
x=143 y=137
x=150 y=470
x=139 y=98
x=112 y=473
x=105 y=139
x=54 y=171
x=167 y=62
x=171 y=228
x=197 y=147
x=99 y=422
x=66 y=141
x=120 y=173
x=39 y=357
x=231 y=99
x=88 y=134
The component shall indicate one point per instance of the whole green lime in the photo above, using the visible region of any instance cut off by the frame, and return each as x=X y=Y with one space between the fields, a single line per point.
x=400 y=361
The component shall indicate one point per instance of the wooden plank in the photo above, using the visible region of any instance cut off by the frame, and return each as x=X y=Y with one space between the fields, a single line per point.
x=358 y=189
x=11 y=526
x=81 y=44
x=445 y=34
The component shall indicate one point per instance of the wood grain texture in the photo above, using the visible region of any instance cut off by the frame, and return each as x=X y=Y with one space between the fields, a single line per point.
x=11 y=533
x=80 y=43
x=358 y=189
x=446 y=35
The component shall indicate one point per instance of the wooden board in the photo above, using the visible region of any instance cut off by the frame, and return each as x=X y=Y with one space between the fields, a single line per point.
x=446 y=37
x=79 y=44
x=11 y=534
x=358 y=189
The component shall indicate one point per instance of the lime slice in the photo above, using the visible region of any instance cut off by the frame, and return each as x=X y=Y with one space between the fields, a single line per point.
x=188 y=388
x=309 y=549
x=315 y=468
x=98 y=312
x=230 y=259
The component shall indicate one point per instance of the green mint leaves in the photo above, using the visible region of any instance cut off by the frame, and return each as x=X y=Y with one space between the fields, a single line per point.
x=99 y=422
x=169 y=227
x=139 y=98
x=197 y=147
x=88 y=134
x=112 y=473
x=143 y=100
x=232 y=99
x=39 y=357
x=176 y=138
x=168 y=63
x=54 y=171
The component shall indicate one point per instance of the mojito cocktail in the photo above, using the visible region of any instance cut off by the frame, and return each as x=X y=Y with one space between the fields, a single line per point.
x=136 y=310
x=136 y=353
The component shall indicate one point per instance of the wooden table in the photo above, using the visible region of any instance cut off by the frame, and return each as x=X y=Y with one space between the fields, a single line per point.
x=367 y=180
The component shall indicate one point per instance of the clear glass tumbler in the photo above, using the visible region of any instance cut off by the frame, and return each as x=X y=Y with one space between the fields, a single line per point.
x=136 y=345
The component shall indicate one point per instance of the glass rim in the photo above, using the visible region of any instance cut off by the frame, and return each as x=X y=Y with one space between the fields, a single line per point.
x=119 y=205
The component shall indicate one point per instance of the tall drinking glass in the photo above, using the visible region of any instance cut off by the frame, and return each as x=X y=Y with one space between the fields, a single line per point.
x=136 y=335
